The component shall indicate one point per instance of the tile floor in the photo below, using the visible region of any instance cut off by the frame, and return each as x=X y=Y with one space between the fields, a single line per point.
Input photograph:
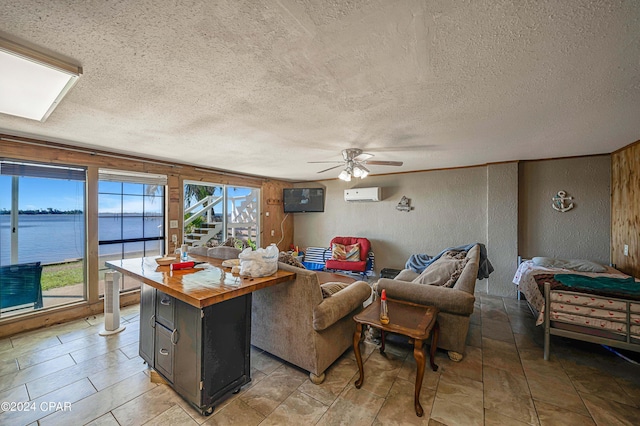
x=503 y=380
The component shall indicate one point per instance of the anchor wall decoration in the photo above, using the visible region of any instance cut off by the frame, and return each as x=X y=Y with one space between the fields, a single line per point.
x=559 y=202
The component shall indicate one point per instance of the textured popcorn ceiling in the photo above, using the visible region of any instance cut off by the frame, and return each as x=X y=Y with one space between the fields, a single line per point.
x=263 y=87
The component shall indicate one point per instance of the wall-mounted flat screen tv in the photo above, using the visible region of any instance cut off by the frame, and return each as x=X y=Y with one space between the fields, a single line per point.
x=303 y=200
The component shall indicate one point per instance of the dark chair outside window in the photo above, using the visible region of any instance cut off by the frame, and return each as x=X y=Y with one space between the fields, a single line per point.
x=20 y=285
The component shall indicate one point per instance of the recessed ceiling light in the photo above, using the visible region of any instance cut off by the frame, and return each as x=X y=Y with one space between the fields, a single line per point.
x=31 y=83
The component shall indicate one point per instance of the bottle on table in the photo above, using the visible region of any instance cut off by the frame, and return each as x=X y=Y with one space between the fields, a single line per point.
x=384 y=309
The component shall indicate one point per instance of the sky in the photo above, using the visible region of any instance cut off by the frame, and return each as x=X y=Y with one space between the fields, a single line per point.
x=38 y=193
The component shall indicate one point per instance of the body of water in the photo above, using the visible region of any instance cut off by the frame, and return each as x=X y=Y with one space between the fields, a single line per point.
x=57 y=238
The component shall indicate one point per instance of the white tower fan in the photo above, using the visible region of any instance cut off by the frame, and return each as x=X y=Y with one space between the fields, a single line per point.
x=111 y=304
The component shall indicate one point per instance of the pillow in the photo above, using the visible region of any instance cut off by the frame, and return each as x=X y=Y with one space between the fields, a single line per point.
x=350 y=253
x=290 y=260
x=452 y=254
x=573 y=264
x=331 y=288
x=443 y=272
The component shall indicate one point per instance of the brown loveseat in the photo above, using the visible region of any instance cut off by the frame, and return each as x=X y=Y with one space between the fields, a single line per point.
x=293 y=322
x=455 y=304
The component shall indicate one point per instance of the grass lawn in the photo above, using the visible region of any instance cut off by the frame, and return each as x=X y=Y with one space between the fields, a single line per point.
x=61 y=275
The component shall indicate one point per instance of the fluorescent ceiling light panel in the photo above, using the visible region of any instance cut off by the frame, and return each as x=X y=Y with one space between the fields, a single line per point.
x=32 y=84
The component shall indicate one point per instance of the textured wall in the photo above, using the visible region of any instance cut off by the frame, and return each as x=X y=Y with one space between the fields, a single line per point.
x=449 y=210
x=505 y=206
x=583 y=232
x=502 y=227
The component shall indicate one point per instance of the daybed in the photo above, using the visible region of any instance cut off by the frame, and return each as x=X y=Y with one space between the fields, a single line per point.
x=455 y=303
x=565 y=297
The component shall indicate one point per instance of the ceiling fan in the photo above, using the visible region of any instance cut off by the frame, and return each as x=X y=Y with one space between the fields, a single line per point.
x=354 y=161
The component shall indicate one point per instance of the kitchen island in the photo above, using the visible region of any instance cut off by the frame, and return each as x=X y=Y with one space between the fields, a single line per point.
x=195 y=325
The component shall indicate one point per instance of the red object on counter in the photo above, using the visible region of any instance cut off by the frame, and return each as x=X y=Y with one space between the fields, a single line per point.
x=184 y=265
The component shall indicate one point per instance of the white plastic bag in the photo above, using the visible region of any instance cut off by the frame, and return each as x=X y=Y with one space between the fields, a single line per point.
x=259 y=263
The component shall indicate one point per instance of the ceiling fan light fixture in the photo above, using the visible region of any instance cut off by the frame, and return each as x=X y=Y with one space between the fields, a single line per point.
x=354 y=161
x=345 y=175
x=360 y=171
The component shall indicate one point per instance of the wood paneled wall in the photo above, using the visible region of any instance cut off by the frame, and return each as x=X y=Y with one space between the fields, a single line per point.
x=625 y=209
x=274 y=218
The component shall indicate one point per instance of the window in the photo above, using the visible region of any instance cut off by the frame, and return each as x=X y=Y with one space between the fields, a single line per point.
x=131 y=218
x=242 y=212
x=214 y=213
x=42 y=236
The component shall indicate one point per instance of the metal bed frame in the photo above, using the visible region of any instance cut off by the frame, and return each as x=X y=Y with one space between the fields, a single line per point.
x=579 y=332
x=586 y=334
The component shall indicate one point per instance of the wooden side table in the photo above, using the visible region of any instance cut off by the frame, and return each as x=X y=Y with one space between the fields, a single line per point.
x=406 y=318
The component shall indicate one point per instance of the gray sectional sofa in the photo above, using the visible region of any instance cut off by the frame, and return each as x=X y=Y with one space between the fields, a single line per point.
x=455 y=303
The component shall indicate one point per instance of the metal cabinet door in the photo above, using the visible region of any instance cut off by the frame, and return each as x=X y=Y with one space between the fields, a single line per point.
x=165 y=309
x=164 y=352
x=147 y=322
x=188 y=352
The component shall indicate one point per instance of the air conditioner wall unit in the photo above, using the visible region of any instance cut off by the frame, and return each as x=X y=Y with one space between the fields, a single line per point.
x=363 y=194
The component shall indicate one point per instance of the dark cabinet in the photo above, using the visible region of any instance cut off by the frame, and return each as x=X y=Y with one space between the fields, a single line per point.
x=203 y=353
x=147 y=323
x=165 y=306
x=164 y=352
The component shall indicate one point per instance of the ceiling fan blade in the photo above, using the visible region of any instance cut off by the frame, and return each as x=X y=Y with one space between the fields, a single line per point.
x=383 y=163
x=363 y=157
x=330 y=168
x=325 y=162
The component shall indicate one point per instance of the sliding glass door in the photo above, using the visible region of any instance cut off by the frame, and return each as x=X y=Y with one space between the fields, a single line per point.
x=42 y=236
x=243 y=213
x=214 y=213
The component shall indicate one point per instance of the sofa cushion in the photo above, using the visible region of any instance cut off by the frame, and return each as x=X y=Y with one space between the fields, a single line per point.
x=331 y=288
x=453 y=254
x=443 y=272
x=348 y=252
x=406 y=275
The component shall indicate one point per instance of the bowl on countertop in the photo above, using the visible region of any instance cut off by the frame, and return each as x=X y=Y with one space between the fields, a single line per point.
x=164 y=261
